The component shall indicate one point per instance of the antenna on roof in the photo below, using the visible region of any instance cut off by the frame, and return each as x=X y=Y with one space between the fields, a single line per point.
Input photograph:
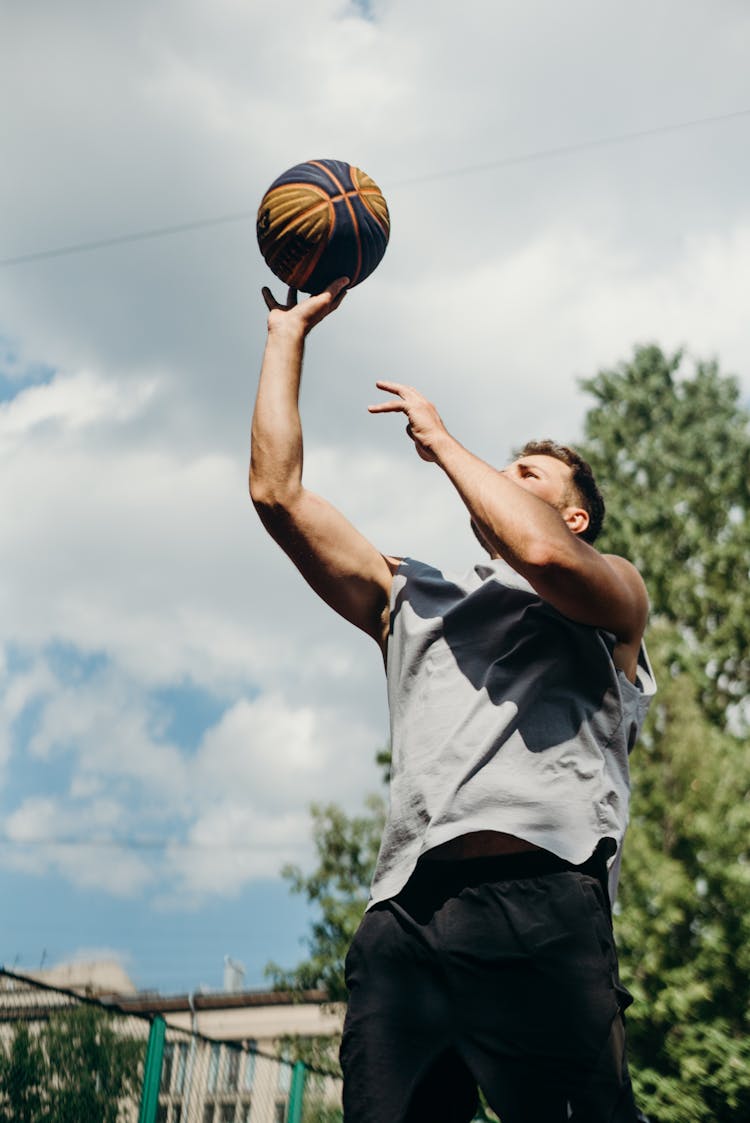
x=234 y=974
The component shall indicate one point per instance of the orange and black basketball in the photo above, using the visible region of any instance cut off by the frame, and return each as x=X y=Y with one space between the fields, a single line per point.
x=322 y=220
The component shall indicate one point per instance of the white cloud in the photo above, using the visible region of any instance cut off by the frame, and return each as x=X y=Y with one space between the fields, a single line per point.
x=140 y=812
x=105 y=723
x=231 y=844
x=698 y=302
x=47 y=835
x=24 y=687
x=71 y=402
x=279 y=756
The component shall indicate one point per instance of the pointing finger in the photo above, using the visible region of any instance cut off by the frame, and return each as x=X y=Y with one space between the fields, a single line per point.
x=392 y=387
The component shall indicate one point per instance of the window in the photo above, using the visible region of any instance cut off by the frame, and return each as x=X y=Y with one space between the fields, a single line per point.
x=180 y=1058
x=280 y=1116
x=285 y=1076
x=166 y=1068
x=213 y=1067
x=250 y=1065
x=229 y=1078
x=232 y=1070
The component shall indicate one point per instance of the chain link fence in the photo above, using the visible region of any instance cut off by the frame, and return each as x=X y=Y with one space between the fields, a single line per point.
x=66 y=1058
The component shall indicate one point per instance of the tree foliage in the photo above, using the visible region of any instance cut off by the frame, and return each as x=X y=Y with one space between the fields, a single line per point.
x=319 y=1106
x=683 y=915
x=22 y=1077
x=673 y=449
x=77 y=1067
x=337 y=889
x=346 y=850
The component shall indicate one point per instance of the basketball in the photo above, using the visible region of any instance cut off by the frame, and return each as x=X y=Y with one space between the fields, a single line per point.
x=322 y=220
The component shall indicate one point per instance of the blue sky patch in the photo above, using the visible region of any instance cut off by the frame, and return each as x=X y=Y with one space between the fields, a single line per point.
x=364 y=7
x=15 y=375
x=30 y=778
x=71 y=665
x=184 y=712
x=174 y=952
x=18 y=659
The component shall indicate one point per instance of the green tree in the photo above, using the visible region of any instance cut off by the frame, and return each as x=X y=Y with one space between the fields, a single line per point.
x=316 y=1111
x=683 y=914
x=671 y=442
x=22 y=1079
x=321 y=1103
x=672 y=446
x=346 y=849
x=337 y=889
x=77 y=1067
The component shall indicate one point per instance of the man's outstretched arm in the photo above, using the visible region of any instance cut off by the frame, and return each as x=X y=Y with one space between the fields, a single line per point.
x=531 y=535
x=334 y=558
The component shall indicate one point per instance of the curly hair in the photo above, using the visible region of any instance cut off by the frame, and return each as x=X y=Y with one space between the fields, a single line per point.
x=582 y=487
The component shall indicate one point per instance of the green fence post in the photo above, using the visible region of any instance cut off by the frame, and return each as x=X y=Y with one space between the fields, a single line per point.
x=152 y=1072
x=297 y=1093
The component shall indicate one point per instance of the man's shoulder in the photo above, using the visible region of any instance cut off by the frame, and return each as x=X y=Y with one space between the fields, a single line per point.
x=633 y=579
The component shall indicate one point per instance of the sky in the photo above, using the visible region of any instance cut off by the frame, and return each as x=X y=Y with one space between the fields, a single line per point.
x=172 y=696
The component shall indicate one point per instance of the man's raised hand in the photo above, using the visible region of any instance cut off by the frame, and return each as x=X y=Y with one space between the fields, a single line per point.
x=303 y=317
x=425 y=426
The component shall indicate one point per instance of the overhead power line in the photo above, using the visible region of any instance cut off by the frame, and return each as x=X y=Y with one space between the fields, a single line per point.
x=427 y=177
x=122 y=239
x=570 y=149
x=124 y=842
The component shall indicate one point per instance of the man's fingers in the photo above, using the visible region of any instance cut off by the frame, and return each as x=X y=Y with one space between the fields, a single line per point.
x=270 y=299
x=272 y=304
x=393 y=406
x=338 y=291
x=394 y=387
x=319 y=305
x=406 y=397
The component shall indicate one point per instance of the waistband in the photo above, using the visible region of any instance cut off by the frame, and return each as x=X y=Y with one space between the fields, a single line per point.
x=447 y=877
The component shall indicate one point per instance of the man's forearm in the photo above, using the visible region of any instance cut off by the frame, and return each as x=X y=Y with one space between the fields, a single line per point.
x=527 y=532
x=276 y=442
x=518 y=526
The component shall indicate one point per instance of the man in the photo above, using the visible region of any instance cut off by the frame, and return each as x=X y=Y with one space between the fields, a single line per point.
x=485 y=958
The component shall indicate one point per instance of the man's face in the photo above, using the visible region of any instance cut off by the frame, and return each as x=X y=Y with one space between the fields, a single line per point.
x=544 y=476
x=550 y=480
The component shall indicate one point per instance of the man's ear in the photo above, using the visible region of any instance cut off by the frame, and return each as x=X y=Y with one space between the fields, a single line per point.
x=576 y=518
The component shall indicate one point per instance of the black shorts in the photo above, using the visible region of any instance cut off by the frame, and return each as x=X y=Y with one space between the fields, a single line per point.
x=492 y=972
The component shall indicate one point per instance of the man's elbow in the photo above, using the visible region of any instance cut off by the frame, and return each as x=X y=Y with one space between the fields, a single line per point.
x=260 y=491
x=549 y=556
x=266 y=488
x=272 y=501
